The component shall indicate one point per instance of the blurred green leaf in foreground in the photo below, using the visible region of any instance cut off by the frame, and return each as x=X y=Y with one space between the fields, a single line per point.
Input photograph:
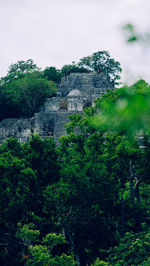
x=127 y=109
x=132 y=35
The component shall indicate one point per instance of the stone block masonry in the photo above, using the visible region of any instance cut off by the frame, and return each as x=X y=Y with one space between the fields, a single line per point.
x=75 y=92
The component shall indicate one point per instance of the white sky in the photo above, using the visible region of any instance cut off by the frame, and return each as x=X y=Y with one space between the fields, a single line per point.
x=57 y=32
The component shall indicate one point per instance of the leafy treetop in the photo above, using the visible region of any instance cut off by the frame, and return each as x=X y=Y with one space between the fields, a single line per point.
x=102 y=61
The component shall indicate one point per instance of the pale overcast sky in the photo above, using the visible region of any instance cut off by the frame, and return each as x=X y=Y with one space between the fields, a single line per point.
x=57 y=32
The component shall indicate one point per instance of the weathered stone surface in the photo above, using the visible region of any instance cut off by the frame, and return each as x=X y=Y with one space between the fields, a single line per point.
x=17 y=128
x=84 y=82
x=76 y=91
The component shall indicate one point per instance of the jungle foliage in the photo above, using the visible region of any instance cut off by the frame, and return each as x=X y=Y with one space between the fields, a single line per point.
x=85 y=202
x=100 y=62
x=25 y=87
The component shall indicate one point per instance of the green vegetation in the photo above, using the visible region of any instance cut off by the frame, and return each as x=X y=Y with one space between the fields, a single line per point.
x=67 y=69
x=26 y=94
x=99 y=61
x=24 y=90
x=53 y=74
x=127 y=109
x=25 y=87
x=102 y=62
x=85 y=202
x=134 y=249
x=133 y=36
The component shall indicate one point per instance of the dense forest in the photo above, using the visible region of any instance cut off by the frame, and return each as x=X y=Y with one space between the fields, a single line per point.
x=86 y=201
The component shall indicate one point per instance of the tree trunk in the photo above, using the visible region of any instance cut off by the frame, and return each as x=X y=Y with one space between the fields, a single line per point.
x=132 y=191
x=72 y=244
x=137 y=191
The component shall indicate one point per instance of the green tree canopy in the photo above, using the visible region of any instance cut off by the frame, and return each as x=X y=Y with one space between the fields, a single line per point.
x=53 y=74
x=19 y=69
x=74 y=68
x=134 y=249
x=102 y=62
x=23 y=90
x=26 y=94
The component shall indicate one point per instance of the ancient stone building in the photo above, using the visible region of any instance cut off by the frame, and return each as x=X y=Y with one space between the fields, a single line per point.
x=75 y=92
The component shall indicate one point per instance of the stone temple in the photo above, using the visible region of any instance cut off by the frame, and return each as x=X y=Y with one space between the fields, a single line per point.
x=76 y=91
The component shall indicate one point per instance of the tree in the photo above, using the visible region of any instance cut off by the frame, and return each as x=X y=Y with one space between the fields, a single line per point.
x=19 y=69
x=100 y=263
x=42 y=157
x=84 y=203
x=85 y=62
x=134 y=249
x=102 y=61
x=48 y=252
x=25 y=171
x=51 y=73
x=104 y=178
x=26 y=94
x=23 y=90
x=67 y=69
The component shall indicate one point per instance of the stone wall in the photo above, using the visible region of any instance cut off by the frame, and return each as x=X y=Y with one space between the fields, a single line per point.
x=17 y=128
x=85 y=82
x=75 y=92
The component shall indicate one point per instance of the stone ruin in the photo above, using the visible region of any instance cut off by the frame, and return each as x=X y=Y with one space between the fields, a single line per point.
x=76 y=91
